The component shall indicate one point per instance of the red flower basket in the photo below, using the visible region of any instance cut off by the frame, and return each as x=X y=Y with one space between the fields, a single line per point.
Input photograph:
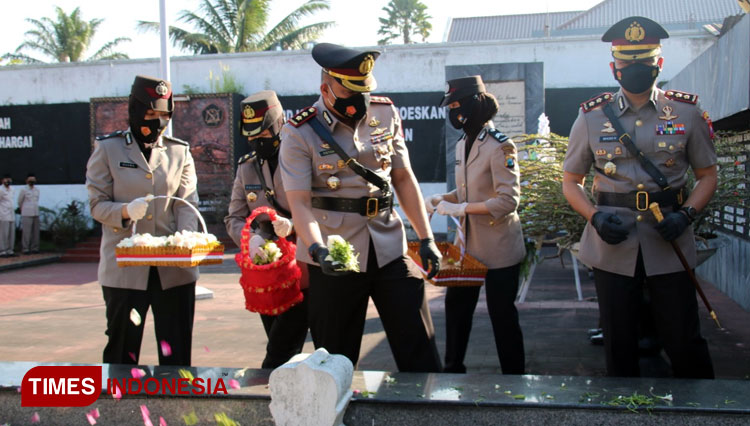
x=274 y=288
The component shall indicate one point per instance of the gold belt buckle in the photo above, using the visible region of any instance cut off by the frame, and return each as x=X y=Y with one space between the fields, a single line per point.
x=371 y=208
x=638 y=195
x=679 y=197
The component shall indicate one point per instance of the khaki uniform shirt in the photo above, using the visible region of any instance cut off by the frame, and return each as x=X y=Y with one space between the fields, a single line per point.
x=117 y=173
x=247 y=195
x=28 y=201
x=594 y=143
x=307 y=162
x=495 y=239
x=6 y=204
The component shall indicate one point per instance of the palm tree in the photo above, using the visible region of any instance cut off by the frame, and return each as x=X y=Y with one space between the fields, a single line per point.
x=225 y=26
x=65 y=40
x=405 y=18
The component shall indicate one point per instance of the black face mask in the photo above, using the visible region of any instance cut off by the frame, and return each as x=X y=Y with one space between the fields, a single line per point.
x=457 y=117
x=266 y=148
x=156 y=126
x=354 y=107
x=637 y=78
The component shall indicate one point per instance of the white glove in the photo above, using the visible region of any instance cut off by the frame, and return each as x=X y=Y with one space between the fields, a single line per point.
x=137 y=208
x=254 y=246
x=431 y=201
x=451 y=209
x=282 y=227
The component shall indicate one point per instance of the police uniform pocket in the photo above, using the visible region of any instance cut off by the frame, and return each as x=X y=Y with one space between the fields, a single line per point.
x=328 y=219
x=669 y=155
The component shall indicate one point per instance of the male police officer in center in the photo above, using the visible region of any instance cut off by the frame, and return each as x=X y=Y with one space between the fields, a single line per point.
x=328 y=197
x=622 y=241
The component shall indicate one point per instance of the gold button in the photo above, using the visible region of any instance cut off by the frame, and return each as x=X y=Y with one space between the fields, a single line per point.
x=640 y=186
x=671 y=147
x=149 y=217
x=251 y=197
x=325 y=217
x=463 y=185
x=639 y=218
x=149 y=175
x=638 y=123
x=116 y=229
x=492 y=223
x=609 y=155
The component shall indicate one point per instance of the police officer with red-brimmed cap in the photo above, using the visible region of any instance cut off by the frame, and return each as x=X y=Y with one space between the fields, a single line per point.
x=338 y=160
x=124 y=169
x=641 y=142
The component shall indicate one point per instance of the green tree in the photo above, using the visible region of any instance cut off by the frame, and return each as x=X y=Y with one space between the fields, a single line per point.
x=406 y=18
x=65 y=39
x=226 y=26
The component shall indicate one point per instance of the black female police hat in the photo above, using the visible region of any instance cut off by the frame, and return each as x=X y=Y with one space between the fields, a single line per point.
x=635 y=38
x=261 y=111
x=155 y=93
x=352 y=68
x=463 y=87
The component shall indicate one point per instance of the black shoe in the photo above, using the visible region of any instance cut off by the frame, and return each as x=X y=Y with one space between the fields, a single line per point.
x=597 y=339
x=34 y=251
x=26 y=252
x=594 y=331
x=5 y=255
x=13 y=255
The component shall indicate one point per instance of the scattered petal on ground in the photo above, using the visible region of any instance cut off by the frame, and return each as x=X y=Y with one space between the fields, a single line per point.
x=234 y=384
x=190 y=419
x=91 y=419
x=223 y=420
x=166 y=350
x=162 y=422
x=35 y=417
x=94 y=413
x=137 y=373
x=117 y=394
x=146 y=416
x=205 y=348
x=135 y=317
x=186 y=374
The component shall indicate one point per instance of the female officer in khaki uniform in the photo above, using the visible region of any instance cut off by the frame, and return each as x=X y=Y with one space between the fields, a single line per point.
x=258 y=183
x=124 y=168
x=486 y=197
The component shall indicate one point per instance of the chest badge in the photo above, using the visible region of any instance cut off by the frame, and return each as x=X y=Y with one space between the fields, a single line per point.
x=333 y=183
x=378 y=131
x=251 y=197
x=608 y=127
x=610 y=168
x=374 y=122
x=668 y=116
x=618 y=150
x=325 y=166
x=670 y=162
x=670 y=128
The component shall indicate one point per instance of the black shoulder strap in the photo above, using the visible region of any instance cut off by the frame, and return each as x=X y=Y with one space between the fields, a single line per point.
x=626 y=140
x=353 y=164
x=270 y=195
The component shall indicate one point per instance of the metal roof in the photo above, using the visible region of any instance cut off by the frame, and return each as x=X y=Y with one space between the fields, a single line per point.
x=672 y=14
x=665 y=12
x=505 y=26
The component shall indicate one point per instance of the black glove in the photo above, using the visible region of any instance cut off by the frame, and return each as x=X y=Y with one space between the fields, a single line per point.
x=609 y=227
x=262 y=226
x=430 y=255
x=318 y=253
x=673 y=225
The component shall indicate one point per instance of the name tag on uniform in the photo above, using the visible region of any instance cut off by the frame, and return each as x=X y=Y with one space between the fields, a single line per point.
x=608 y=138
x=252 y=187
x=326 y=152
x=128 y=165
x=458 y=162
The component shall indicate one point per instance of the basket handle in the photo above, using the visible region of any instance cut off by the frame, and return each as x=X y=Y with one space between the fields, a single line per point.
x=189 y=204
x=245 y=237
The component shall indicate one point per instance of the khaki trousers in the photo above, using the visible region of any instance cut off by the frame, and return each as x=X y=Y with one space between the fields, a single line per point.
x=30 y=235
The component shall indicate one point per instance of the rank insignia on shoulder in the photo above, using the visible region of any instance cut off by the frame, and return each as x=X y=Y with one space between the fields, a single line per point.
x=498 y=135
x=176 y=140
x=597 y=101
x=246 y=157
x=303 y=116
x=111 y=135
x=327 y=118
x=687 y=98
x=381 y=100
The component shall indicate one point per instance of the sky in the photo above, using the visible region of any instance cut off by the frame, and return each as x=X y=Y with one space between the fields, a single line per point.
x=356 y=20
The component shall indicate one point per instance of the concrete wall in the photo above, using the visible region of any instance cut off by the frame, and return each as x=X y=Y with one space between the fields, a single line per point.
x=729 y=269
x=568 y=62
x=721 y=75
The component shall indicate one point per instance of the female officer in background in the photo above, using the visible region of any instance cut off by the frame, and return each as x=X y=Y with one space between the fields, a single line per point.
x=258 y=183
x=485 y=199
x=125 y=168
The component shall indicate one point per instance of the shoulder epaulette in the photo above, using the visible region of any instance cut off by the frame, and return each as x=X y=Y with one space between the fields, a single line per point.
x=497 y=134
x=246 y=157
x=111 y=135
x=303 y=116
x=597 y=101
x=381 y=100
x=176 y=140
x=675 y=95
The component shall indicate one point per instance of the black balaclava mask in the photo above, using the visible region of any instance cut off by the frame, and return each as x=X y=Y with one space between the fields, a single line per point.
x=636 y=78
x=136 y=112
x=266 y=148
x=353 y=107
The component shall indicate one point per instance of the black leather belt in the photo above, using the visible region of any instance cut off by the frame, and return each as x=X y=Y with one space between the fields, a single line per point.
x=639 y=200
x=366 y=206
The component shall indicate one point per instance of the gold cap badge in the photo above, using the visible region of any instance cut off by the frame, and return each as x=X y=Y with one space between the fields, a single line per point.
x=161 y=88
x=635 y=32
x=367 y=64
x=248 y=112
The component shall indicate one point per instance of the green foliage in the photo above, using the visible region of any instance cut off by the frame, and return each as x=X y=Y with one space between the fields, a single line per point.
x=65 y=39
x=227 y=26
x=224 y=82
x=67 y=225
x=405 y=19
